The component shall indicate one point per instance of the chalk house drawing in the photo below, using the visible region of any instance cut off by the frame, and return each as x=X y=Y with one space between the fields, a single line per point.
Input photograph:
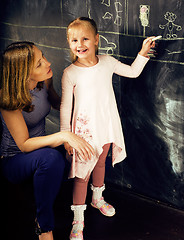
x=170 y=25
x=105 y=46
x=144 y=17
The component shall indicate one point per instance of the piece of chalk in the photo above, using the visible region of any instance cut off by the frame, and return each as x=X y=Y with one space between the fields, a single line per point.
x=156 y=38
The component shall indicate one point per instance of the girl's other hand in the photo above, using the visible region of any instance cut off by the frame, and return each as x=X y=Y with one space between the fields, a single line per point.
x=146 y=46
x=68 y=148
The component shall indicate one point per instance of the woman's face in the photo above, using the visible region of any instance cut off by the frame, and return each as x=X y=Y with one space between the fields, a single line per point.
x=41 y=68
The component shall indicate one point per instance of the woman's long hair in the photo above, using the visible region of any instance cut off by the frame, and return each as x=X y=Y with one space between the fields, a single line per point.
x=16 y=66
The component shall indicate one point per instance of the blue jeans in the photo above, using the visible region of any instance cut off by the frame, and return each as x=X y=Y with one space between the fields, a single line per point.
x=46 y=166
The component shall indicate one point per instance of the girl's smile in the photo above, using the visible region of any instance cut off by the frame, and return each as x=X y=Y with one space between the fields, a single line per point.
x=82 y=51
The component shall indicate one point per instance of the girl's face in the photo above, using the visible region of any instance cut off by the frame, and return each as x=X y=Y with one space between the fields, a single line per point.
x=83 y=41
x=41 y=68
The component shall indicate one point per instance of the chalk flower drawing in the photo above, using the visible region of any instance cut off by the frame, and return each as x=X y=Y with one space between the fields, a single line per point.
x=144 y=17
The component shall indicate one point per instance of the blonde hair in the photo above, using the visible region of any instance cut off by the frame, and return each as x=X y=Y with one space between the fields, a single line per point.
x=85 y=21
x=17 y=64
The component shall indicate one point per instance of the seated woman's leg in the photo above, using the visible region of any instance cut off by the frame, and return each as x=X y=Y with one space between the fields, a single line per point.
x=46 y=165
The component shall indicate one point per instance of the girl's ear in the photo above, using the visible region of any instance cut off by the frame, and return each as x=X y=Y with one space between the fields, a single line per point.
x=97 y=39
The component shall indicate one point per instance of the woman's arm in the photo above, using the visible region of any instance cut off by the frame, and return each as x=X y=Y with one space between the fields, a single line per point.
x=18 y=129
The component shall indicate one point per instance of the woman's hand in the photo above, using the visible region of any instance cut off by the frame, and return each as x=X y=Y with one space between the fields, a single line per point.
x=146 y=46
x=84 y=149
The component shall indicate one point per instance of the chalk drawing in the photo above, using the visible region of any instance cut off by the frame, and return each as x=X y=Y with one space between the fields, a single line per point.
x=12 y=25
x=108 y=15
x=144 y=17
x=170 y=25
x=106 y=2
x=123 y=6
x=105 y=46
x=174 y=52
x=119 y=10
x=89 y=13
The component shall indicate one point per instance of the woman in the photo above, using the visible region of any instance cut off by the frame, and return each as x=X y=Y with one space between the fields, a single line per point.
x=26 y=96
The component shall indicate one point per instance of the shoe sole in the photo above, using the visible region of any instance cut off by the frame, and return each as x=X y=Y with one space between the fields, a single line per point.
x=76 y=239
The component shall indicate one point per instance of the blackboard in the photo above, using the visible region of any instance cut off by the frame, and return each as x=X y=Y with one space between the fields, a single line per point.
x=151 y=106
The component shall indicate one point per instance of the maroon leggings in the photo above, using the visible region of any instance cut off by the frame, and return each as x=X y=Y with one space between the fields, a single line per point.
x=98 y=174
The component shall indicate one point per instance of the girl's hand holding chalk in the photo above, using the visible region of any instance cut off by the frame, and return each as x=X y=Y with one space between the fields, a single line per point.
x=156 y=38
x=152 y=39
x=148 y=46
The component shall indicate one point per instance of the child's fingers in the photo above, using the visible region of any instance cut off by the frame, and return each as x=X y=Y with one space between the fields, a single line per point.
x=68 y=148
x=153 y=44
x=70 y=151
x=149 y=40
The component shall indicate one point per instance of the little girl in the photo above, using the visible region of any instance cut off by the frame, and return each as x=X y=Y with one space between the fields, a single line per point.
x=88 y=108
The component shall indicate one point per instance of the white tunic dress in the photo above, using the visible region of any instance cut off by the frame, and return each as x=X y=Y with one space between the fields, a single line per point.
x=89 y=109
